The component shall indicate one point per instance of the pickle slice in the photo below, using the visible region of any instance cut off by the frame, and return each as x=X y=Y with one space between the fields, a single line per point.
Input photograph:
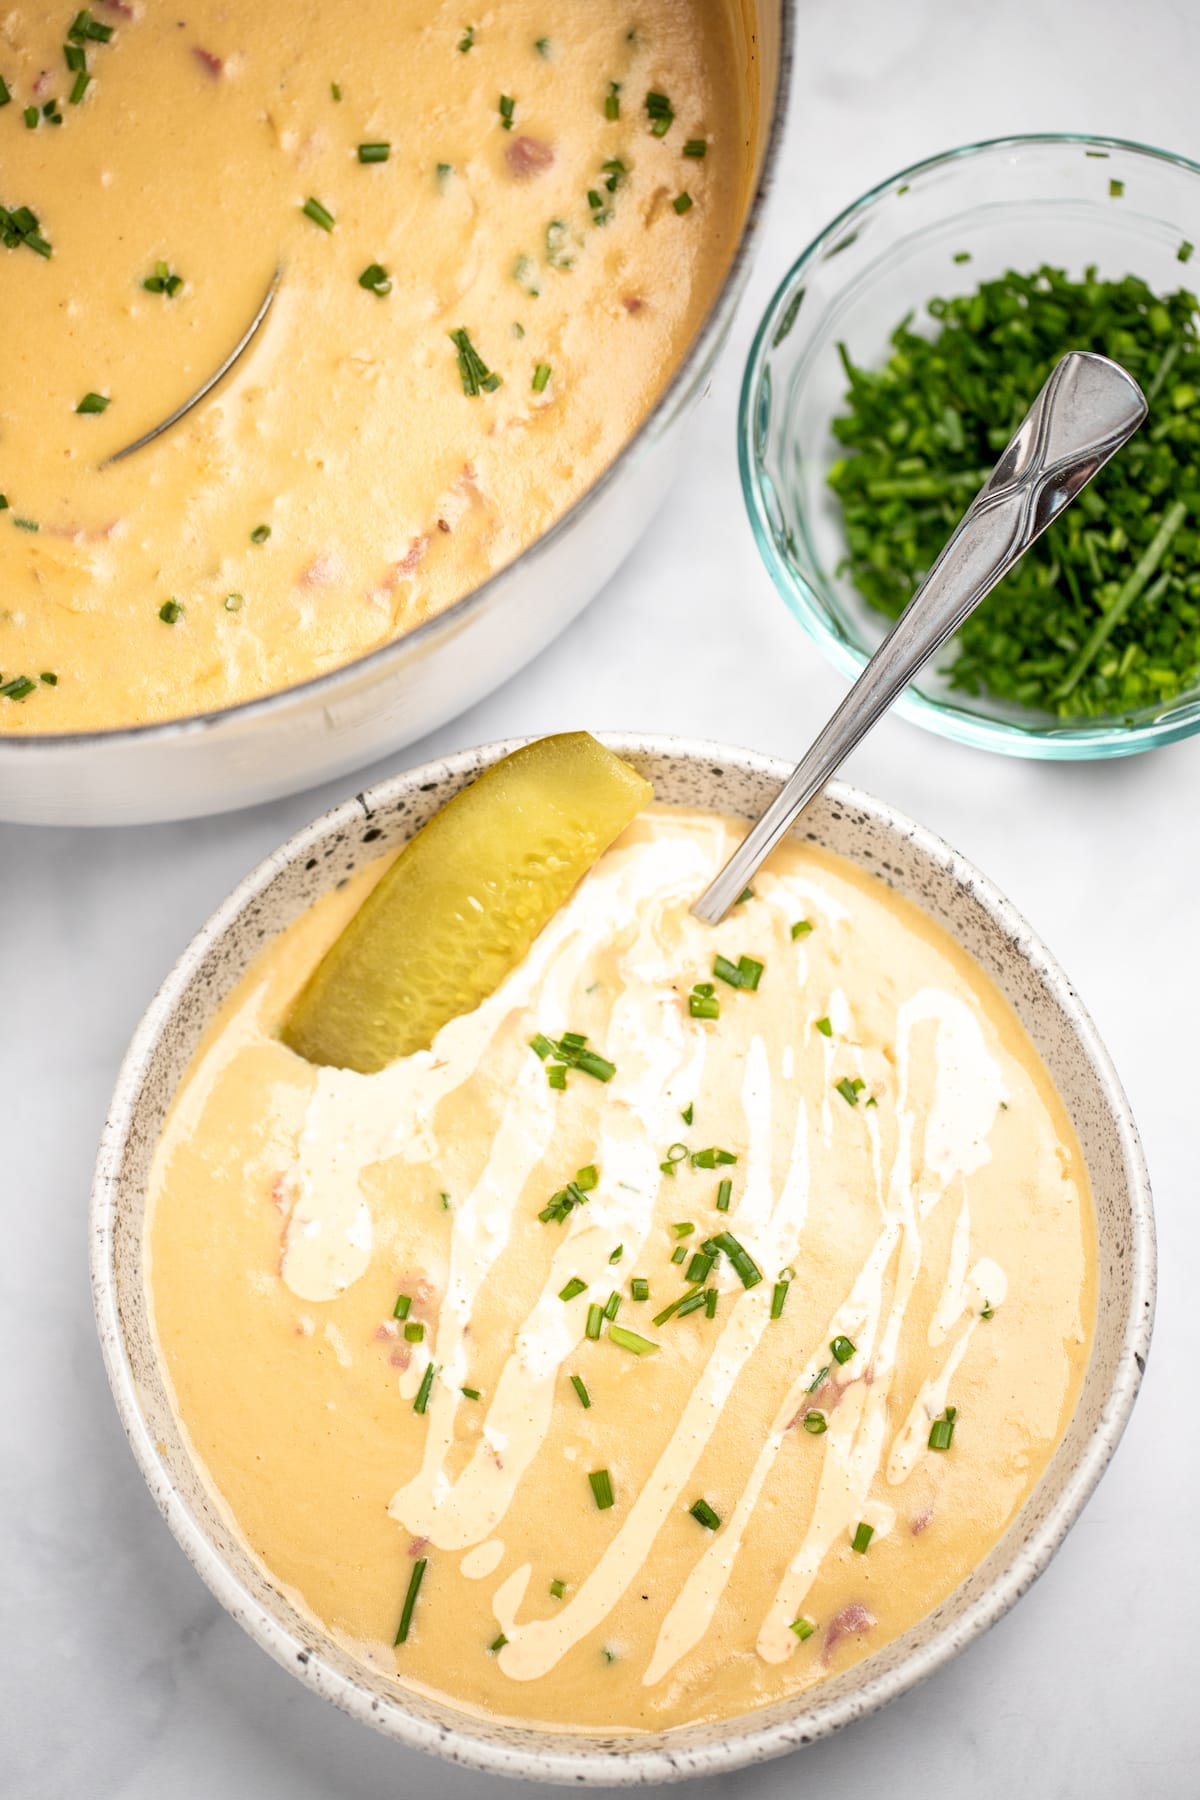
x=463 y=901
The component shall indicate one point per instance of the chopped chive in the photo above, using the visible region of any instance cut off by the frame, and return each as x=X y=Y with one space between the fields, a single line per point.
x=414 y=1332
x=540 y=1045
x=989 y=1311
x=817 y=1379
x=320 y=215
x=668 y=1312
x=747 y=893
x=497 y=1644
x=724 y=1194
x=541 y=376
x=683 y=1228
x=712 y=1158
x=600 y=1482
x=676 y=1153
x=803 y=1628
x=470 y=1393
x=93 y=403
x=426 y=1387
x=639 y=1288
x=585 y=1399
x=76 y=57
x=17 y=688
x=234 y=602
x=801 y=929
x=507 y=107
x=163 y=281
x=3 y=502
x=467 y=39
x=850 y=1089
x=31 y=118
x=84 y=29
x=542 y=46
x=703 y=1003
x=557 y=1589
x=744 y=1265
x=587 y=1178
x=402 y=1307
x=700 y=1267
x=697 y=147
x=335 y=90
x=1185 y=251
x=679 y=1253
x=691 y=1302
x=745 y=973
x=824 y=1027
x=815 y=1423
x=1116 y=188
x=170 y=612
x=660 y=114
x=410 y=1599
x=612 y=101
x=612 y=1305
x=50 y=679
x=682 y=203
x=473 y=372
x=376 y=279
x=595 y=1318
x=778 y=1297
x=616 y=1255
x=704 y=1515
x=79 y=88
x=374 y=153
x=574 y=1286
x=688 y=1113
x=632 y=1341
x=260 y=534
x=711 y=1296
x=26 y=524
x=862 y=1537
x=556 y=1077
x=5 y=95
x=941 y=1432
x=842 y=1348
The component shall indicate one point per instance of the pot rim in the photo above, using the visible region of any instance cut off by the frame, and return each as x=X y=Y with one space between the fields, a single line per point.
x=745 y=1741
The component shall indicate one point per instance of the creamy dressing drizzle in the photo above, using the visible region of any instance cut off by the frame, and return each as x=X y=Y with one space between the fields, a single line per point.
x=355 y=1120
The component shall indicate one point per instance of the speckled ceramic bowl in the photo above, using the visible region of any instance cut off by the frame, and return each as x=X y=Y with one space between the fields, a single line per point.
x=911 y=861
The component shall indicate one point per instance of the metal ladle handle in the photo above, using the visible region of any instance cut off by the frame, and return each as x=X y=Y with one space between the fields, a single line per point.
x=1087 y=409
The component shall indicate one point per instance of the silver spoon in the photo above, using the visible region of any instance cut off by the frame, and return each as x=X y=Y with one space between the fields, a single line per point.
x=1088 y=408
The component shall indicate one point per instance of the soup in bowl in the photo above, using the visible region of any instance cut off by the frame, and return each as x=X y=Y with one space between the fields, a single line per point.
x=620 y=1386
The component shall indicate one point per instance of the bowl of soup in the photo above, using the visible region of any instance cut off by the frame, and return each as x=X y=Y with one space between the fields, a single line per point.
x=620 y=1389
x=327 y=416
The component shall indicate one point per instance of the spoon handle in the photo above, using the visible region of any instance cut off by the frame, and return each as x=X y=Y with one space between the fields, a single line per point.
x=1087 y=409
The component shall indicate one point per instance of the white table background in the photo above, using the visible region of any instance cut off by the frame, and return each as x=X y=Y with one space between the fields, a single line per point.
x=119 y=1676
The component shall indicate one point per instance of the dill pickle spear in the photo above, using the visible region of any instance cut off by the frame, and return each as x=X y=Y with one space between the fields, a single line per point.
x=463 y=901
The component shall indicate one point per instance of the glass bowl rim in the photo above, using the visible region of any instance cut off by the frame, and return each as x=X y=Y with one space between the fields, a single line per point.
x=1104 y=738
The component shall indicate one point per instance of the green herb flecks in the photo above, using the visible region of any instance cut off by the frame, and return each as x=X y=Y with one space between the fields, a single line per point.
x=374 y=153
x=633 y=1341
x=163 y=281
x=570 y=1052
x=696 y=147
x=941 y=1432
x=815 y=1422
x=612 y=101
x=320 y=215
x=473 y=372
x=507 y=107
x=745 y=973
x=17 y=688
x=575 y=1193
x=600 y=1482
x=376 y=280
x=744 y=1265
x=19 y=225
x=170 y=612
x=660 y=114
x=93 y=403
x=410 y=1598
x=850 y=1088
x=585 y=1399
x=1102 y=615
x=683 y=203
x=863 y=1533
x=842 y=1349
x=467 y=40
x=541 y=376
x=425 y=1389
x=260 y=534
x=703 y=1002
x=801 y=929
x=705 y=1515
x=803 y=1628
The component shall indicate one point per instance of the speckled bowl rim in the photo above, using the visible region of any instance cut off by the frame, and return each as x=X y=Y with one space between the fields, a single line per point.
x=619 y=1761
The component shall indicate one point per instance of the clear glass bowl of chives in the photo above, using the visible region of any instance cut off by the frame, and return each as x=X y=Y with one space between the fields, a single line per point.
x=868 y=421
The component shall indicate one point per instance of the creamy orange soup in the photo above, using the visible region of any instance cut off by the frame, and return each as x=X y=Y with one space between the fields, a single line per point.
x=649 y=1399
x=559 y=185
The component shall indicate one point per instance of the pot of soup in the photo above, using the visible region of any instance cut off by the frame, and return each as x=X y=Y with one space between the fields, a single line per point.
x=327 y=415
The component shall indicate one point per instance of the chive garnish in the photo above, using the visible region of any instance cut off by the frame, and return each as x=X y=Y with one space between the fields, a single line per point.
x=26 y=524
x=571 y=1052
x=414 y=1332
x=817 y=1379
x=632 y=1341
x=862 y=1537
x=84 y=29
x=803 y=1628
x=75 y=56
x=660 y=114
x=260 y=534
x=688 y=1113
x=679 y=1253
x=467 y=39
x=585 y=1399
x=850 y=1089
x=473 y=372
x=703 y=1003
x=691 y=1302
x=595 y=1321
x=557 y=1076
x=5 y=95
x=51 y=680
x=677 y=1153
x=170 y=612
x=704 y=1515
x=335 y=90
x=639 y=1288
x=724 y=1193
x=573 y=1288
x=79 y=87
x=668 y=1312
x=234 y=602
x=801 y=928
x=700 y=1267
x=163 y=281
x=600 y=1482
x=497 y=1644
x=426 y=1387
x=683 y=1228
x=744 y=1265
x=557 y=1589
x=402 y=1307
x=320 y=215
x=682 y=203
x=825 y=1027
x=1185 y=251
x=410 y=1599
x=745 y=973
x=842 y=1348
x=778 y=1297
x=697 y=147
x=374 y=153
x=93 y=403
x=711 y=1158
x=989 y=1311
x=469 y=1393
x=541 y=376
x=507 y=106
x=1116 y=188
x=31 y=118
x=711 y=1296
x=17 y=688
x=612 y=101
x=815 y=1423
x=612 y=1305
x=747 y=893
x=941 y=1432
x=614 y=1256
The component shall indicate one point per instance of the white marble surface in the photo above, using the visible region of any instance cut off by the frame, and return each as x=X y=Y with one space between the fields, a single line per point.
x=119 y=1676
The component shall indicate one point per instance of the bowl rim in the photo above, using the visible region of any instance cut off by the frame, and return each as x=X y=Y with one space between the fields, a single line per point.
x=375 y=662
x=1053 y=743
x=745 y=1741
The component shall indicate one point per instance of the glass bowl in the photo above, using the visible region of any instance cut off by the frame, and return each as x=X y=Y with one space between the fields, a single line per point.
x=1012 y=202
